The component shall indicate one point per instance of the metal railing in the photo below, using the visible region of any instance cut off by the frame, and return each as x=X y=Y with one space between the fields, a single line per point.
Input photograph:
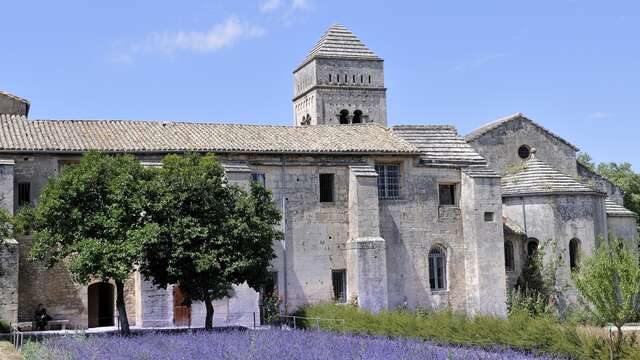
x=312 y=321
x=17 y=337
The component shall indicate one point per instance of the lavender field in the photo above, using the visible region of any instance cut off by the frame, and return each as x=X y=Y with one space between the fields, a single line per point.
x=268 y=344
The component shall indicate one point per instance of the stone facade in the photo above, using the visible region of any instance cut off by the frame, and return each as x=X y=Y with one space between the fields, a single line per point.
x=413 y=216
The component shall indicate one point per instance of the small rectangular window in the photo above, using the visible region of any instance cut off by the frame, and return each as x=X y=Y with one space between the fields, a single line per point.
x=258 y=177
x=489 y=216
x=388 y=181
x=24 y=194
x=326 y=187
x=447 y=194
x=329 y=77
x=339 y=281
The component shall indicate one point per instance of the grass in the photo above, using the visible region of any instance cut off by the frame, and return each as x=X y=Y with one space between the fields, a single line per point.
x=544 y=335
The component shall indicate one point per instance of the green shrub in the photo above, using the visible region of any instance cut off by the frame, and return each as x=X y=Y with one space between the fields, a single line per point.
x=520 y=331
x=5 y=327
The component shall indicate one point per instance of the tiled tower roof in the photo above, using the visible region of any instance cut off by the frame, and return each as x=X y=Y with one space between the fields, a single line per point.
x=340 y=42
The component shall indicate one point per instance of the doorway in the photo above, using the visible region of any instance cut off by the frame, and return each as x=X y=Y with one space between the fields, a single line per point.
x=181 y=308
x=101 y=304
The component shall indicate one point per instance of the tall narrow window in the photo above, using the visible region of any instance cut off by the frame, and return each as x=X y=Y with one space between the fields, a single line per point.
x=258 y=177
x=329 y=77
x=437 y=269
x=574 y=254
x=344 y=116
x=447 y=194
x=24 y=194
x=345 y=78
x=338 y=78
x=326 y=187
x=354 y=79
x=357 y=117
x=388 y=181
x=339 y=282
x=361 y=79
x=369 y=79
x=532 y=247
x=508 y=255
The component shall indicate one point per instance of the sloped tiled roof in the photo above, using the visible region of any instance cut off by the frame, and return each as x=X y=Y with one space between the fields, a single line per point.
x=439 y=144
x=340 y=42
x=614 y=209
x=537 y=177
x=480 y=171
x=19 y=134
x=517 y=116
x=511 y=226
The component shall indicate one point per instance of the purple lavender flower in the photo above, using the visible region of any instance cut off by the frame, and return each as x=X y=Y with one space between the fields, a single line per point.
x=266 y=344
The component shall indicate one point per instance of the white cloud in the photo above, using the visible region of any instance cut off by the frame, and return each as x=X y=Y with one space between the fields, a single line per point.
x=600 y=115
x=219 y=36
x=270 y=5
x=301 y=4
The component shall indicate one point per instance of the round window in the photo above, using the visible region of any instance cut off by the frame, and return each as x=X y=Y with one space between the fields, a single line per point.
x=524 y=151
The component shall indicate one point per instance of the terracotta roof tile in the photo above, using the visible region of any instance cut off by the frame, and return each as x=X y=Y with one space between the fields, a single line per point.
x=19 y=134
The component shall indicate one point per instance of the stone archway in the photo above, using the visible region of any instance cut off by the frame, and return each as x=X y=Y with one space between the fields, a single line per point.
x=101 y=304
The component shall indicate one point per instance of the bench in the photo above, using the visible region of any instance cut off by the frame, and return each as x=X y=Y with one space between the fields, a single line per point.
x=51 y=324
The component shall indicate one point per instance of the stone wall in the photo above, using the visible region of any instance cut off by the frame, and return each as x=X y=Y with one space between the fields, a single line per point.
x=9 y=259
x=554 y=220
x=600 y=183
x=10 y=105
x=500 y=147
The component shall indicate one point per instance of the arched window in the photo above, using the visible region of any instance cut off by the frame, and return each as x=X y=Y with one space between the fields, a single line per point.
x=437 y=268
x=508 y=255
x=532 y=247
x=344 y=116
x=574 y=254
x=357 y=117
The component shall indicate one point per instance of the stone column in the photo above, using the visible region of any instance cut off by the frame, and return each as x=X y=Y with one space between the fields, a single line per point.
x=481 y=207
x=366 y=250
x=9 y=254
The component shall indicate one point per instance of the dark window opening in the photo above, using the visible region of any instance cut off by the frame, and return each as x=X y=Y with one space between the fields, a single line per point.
x=326 y=187
x=574 y=254
x=24 y=194
x=447 y=194
x=524 y=151
x=357 y=117
x=388 y=181
x=329 y=77
x=345 y=78
x=489 y=216
x=361 y=79
x=259 y=178
x=437 y=269
x=369 y=79
x=508 y=255
x=532 y=247
x=339 y=282
x=354 y=79
x=338 y=77
x=344 y=116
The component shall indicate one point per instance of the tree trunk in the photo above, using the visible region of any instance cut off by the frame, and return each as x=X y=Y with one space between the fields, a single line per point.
x=122 y=311
x=208 y=323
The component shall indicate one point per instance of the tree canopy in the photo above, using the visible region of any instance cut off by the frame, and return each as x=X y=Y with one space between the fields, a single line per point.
x=610 y=281
x=207 y=234
x=89 y=219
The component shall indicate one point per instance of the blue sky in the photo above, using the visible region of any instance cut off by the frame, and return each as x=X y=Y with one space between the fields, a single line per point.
x=571 y=65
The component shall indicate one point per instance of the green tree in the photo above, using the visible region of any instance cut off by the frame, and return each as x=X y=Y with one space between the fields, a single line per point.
x=207 y=234
x=89 y=219
x=623 y=175
x=586 y=160
x=610 y=282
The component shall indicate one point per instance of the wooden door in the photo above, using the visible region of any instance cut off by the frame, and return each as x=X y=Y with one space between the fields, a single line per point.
x=181 y=311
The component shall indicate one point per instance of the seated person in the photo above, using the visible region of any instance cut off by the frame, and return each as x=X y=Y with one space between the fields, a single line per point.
x=41 y=318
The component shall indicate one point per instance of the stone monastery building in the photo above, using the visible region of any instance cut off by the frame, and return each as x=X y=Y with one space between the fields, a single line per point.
x=412 y=215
